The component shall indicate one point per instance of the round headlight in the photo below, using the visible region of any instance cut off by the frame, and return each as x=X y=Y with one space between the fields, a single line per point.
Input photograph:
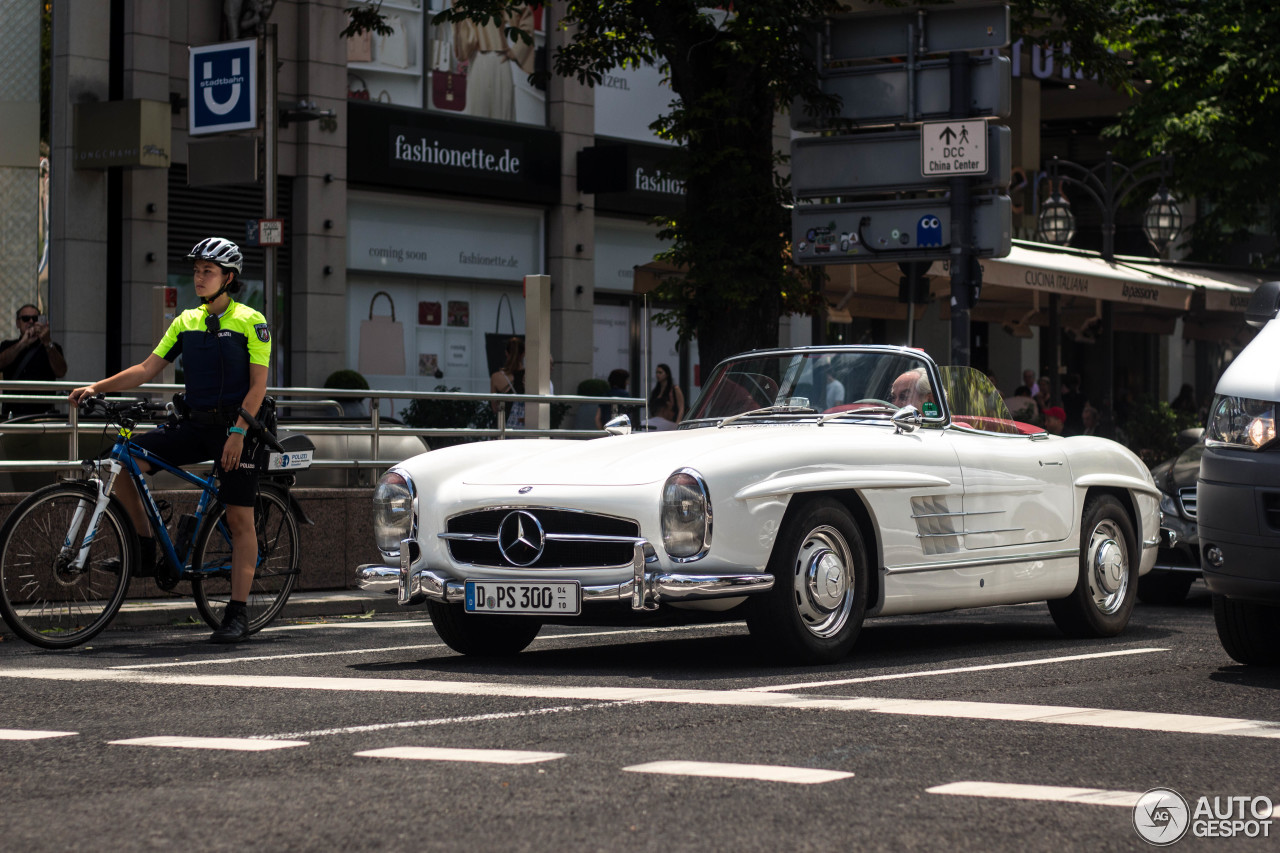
x=686 y=516
x=392 y=512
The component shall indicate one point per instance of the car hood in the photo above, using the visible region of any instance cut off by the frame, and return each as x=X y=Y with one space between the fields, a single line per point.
x=651 y=457
x=1180 y=472
x=615 y=461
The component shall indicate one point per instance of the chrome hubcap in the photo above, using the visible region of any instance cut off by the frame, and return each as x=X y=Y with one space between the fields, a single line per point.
x=823 y=568
x=1108 y=567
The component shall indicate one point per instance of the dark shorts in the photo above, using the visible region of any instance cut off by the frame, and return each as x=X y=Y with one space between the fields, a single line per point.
x=189 y=442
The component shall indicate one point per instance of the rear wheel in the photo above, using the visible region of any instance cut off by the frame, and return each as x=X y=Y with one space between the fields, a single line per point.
x=482 y=635
x=814 y=612
x=1249 y=631
x=1168 y=588
x=277 y=570
x=1105 y=592
x=46 y=599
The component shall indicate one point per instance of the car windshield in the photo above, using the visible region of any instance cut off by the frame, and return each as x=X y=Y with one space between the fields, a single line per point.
x=864 y=383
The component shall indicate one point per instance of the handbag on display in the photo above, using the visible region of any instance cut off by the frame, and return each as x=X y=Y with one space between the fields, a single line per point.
x=395 y=50
x=428 y=313
x=448 y=87
x=360 y=47
x=381 y=341
x=354 y=94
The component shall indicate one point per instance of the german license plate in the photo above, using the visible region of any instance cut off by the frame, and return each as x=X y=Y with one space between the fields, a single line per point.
x=560 y=598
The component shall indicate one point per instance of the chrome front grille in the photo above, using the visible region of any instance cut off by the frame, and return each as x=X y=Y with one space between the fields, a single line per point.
x=1187 y=498
x=550 y=538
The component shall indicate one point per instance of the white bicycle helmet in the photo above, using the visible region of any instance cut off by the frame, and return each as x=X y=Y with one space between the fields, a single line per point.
x=222 y=252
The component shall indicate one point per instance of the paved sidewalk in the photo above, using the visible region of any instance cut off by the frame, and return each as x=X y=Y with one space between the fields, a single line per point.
x=137 y=613
x=153 y=612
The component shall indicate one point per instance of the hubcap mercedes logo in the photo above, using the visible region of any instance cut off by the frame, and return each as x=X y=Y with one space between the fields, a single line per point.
x=520 y=538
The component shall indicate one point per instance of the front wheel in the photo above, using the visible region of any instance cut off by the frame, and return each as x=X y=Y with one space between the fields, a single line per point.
x=483 y=635
x=46 y=599
x=1248 y=630
x=815 y=610
x=277 y=568
x=1106 y=589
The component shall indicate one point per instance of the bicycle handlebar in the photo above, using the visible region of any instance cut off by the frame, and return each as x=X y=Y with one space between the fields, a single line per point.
x=257 y=427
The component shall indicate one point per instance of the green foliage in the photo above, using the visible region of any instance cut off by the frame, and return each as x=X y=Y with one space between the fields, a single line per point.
x=461 y=414
x=351 y=380
x=1213 y=103
x=1151 y=429
x=366 y=18
x=449 y=414
x=593 y=388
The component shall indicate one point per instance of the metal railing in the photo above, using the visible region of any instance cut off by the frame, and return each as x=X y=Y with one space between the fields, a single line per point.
x=55 y=394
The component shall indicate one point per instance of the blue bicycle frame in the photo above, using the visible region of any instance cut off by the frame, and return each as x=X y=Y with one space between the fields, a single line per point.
x=125 y=453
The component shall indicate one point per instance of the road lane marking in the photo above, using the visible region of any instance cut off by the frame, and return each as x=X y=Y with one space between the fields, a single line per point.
x=239 y=744
x=1053 y=714
x=952 y=670
x=1046 y=793
x=31 y=734
x=541 y=639
x=762 y=772
x=442 y=721
x=483 y=756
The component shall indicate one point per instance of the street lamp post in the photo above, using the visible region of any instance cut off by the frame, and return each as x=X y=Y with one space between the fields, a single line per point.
x=1109 y=184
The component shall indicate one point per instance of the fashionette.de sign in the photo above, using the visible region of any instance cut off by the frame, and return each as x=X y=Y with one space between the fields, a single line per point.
x=441 y=150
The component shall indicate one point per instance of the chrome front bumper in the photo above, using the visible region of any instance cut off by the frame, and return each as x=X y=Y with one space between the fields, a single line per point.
x=645 y=590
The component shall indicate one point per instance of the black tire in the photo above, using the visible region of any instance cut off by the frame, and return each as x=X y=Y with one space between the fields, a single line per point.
x=44 y=600
x=1165 y=588
x=1102 y=602
x=815 y=610
x=277 y=571
x=482 y=635
x=1249 y=631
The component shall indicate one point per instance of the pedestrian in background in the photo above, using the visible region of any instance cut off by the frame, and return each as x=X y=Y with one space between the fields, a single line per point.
x=1073 y=402
x=31 y=357
x=666 y=401
x=617 y=388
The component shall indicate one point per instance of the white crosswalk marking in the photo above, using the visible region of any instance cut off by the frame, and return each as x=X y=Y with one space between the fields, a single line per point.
x=238 y=744
x=1049 y=793
x=1042 y=714
x=762 y=772
x=483 y=756
x=30 y=734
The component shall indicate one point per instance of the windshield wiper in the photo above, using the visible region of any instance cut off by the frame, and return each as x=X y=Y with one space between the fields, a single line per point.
x=866 y=410
x=768 y=410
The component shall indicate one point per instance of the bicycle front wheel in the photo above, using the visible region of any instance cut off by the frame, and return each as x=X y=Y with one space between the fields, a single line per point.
x=277 y=568
x=44 y=596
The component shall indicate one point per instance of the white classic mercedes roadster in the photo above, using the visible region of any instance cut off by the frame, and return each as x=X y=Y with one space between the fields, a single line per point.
x=808 y=489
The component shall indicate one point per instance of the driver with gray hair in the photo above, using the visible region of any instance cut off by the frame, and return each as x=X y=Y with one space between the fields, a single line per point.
x=912 y=389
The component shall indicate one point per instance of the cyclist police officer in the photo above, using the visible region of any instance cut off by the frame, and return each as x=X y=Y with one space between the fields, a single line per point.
x=225 y=347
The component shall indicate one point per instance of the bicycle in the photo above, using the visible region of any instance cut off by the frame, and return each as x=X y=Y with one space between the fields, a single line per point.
x=69 y=550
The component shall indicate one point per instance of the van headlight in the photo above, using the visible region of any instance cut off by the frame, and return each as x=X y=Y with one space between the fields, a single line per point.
x=686 y=516
x=392 y=511
x=1241 y=422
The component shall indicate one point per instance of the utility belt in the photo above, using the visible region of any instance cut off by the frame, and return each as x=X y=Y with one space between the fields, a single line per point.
x=217 y=416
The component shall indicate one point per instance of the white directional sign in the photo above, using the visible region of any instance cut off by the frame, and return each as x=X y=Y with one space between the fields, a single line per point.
x=953 y=148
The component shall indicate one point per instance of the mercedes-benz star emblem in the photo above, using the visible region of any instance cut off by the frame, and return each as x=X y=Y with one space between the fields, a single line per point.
x=520 y=538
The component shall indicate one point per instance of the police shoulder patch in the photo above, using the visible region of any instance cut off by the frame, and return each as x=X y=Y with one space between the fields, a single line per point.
x=264 y=334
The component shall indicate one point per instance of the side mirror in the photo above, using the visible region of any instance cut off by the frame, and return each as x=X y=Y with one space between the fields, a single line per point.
x=906 y=419
x=1263 y=305
x=621 y=425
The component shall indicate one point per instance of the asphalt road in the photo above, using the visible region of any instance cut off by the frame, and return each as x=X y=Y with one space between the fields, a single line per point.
x=974 y=730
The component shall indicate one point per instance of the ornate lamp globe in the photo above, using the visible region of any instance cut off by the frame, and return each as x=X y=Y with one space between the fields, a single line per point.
x=1056 y=223
x=1162 y=222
